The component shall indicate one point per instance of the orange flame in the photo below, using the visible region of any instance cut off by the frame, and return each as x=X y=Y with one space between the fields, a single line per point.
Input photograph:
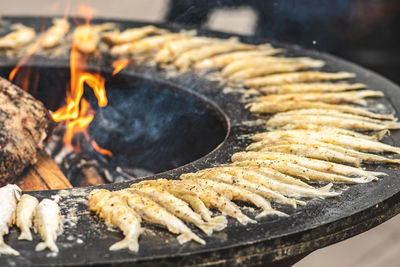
x=77 y=113
x=22 y=77
x=118 y=65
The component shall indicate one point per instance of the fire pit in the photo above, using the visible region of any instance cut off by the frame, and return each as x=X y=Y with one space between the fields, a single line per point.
x=189 y=147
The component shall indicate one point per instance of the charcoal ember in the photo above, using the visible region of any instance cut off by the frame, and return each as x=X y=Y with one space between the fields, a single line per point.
x=25 y=124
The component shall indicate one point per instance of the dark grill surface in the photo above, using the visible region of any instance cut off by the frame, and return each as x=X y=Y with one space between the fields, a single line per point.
x=86 y=239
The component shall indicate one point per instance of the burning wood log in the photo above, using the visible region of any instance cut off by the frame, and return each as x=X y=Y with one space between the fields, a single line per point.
x=25 y=124
x=44 y=175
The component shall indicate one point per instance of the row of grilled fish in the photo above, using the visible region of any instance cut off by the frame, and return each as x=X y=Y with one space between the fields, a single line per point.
x=170 y=203
x=314 y=137
x=26 y=211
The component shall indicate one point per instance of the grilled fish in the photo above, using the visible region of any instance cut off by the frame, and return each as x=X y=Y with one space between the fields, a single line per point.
x=232 y=192
x=179 y=208
x=116 y=212
x=279 y=120
x=223 y=175
x=9 y=196
x=356 y=97
x=154 y=213
x=186 y=59
x=130 y=35
x=148 y=44
x=20 y=36
x=220 y=61
x=24 y=216
x=288 y=105
x=173 y=49
x=274 y=68
x=258 y=62
x=56 y=33
x=296 y=77
x=47 y=222
x=311 y=88
x=209 y=197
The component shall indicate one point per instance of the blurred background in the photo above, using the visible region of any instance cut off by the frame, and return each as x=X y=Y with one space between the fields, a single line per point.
x=362 y=31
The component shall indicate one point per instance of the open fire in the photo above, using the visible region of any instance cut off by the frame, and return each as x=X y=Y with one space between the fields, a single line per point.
x=77 y=113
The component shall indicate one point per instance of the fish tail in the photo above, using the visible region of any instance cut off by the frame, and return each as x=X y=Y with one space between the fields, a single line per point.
x=25 y=235
x=186 y=237
x=218 y=223
x=243 y=219
x=131 y=243
x=207 y=229
x=6 y=249
x=271 y=212
x=48 y=244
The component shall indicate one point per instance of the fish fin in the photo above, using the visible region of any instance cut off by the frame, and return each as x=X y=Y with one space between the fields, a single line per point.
x=49 y=244
x=131 y=243
x=186 y=237
x=300 y=202
x=218 y=223
x=6 y=249
x=379 y=135
x=271 y=212
x=326 y=188
x=25 y=235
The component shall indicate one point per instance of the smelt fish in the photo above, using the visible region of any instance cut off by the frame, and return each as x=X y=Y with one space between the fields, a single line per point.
x=56 y=33
x=256 y=62
x=333 y=113
x=296 y=77
x=288 y=105
x=148 y=44
x=333 y=98
x=116 y=212
x=315 y=164
x=9 y=196
x=47 y=222
x=263 y=176
x=310 y=88
x=194 y=201
x=232 y=192
x=186 y=59
x=24 y=216
x=86 y=38
x=209 y=197
x=309 y=129
x=130 y=35
x=173 y=49
x=295 y=170
x=179 y=208
x=20 y=36
x=274 y=68
x=220 y=61
x=278 y=121
x=342 y=140
x=223 y=175
x=154 y=213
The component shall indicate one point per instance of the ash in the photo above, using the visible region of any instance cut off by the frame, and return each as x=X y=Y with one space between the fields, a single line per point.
x=88 y=167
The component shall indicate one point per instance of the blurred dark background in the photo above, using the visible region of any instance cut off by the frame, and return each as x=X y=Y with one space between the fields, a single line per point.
x=362 y=31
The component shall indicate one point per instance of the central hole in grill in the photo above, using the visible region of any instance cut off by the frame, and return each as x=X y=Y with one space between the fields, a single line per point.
x=150 y=126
